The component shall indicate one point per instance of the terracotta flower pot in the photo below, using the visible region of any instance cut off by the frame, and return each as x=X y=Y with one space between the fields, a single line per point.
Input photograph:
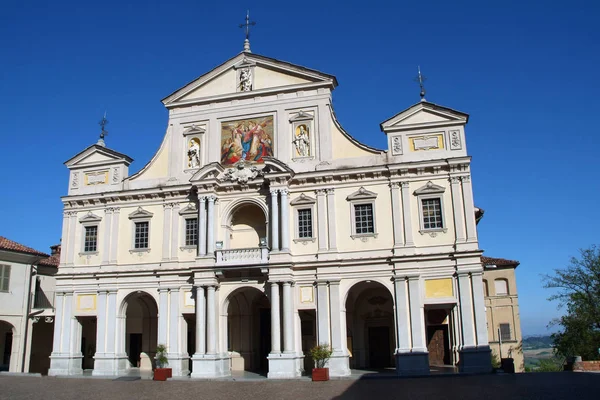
x=320 y=374
x=161 y=374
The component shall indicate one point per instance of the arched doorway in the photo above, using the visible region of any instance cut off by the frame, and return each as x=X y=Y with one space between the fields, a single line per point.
x=370 y=326
x=247 y=226
x=249 y=330
x=141 y=327
x=6 y=345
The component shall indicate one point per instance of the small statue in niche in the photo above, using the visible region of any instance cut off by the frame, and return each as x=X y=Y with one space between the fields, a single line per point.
x=302 y=141
x=194 y=153
x=245 y=80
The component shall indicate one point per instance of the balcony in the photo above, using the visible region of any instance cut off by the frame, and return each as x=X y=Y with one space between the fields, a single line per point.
x=43 y=300
x=247 y=256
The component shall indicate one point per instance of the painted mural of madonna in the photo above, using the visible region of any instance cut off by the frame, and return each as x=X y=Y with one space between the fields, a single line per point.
x=246 y=139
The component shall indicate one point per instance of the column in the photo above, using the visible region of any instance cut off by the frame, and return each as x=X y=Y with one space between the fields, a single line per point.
x=336 y=323
x=66 y=324
x=175 y=232
x=64 y=238
x=322 y=313
x=120 y=340
x=457 y=207
x=210 y=233
x=274 y=221
x=479 y=309
x=408 y=230
x=466 y=310
x=200 y=320
x=111 y=321
x=469 y=208
x=114 y=237
x=202 y=226
x=166 y=230
x=396 y=214
x=163 y=314
x=101 y=323
x=275 y=319
x=106 y=239
x=417 y=317
x=403 y=331
x=58 y=322
x=331 y=219
x=174 y=322
x=285 y=220
x=321 y=220
x=211 y=321
x=288 y=318
x=71 y=240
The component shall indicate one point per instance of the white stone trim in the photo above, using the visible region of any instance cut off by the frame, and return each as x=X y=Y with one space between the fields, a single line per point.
x=88 y=221
x=360 y=197
x=431 y=191
x=140 y=215
x=304 y=204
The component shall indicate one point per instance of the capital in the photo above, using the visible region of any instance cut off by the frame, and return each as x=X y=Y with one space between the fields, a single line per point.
x=394 y=185
x=466 y=178
x=455 y=180
x=284 y=191
x=211 y=198
x=320 y=192
x=330 y=191
x=404 y=184
x=274 y=192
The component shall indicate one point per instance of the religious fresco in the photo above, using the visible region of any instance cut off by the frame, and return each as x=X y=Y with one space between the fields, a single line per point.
x=246 y=139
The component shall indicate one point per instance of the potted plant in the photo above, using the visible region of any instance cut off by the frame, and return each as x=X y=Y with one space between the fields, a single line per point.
x=320 y=354
x=161 y=373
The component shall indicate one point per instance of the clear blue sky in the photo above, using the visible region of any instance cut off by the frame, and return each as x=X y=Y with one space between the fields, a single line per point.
x=526 y=72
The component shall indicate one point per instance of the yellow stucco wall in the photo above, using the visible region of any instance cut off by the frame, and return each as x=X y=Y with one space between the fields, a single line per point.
x=436 y=288
x=265 y=78
x=343 y=147
x=222 y=84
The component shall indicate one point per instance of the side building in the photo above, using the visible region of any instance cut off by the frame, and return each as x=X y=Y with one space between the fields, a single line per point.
x=26 y=312
x=261 y=227
x=502 y=308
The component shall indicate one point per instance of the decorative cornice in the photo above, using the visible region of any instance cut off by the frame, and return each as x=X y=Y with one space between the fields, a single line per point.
x=302 y=200
x=140 y=213
x=90 y=217
x=361 y=194
x=429 y=188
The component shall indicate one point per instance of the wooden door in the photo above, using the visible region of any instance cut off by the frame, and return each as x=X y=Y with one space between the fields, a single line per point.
x=379 y=347
x=438 y=345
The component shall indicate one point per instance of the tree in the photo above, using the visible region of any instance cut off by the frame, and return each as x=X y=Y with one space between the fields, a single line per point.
x=578 y=289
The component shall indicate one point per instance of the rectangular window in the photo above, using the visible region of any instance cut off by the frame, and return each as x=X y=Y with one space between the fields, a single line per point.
x=191 y=232
x=305 y=223
x=4 y=277
x=90 y=242
x=141 y=235
x=363 y=218
x=432 y=214
x=505 y=331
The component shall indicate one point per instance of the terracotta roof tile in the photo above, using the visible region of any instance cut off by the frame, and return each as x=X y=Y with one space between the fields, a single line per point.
x=51 y=261
x=9 y=245
x=500 y=262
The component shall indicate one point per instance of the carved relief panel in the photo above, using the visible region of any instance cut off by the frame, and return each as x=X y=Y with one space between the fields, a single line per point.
x=193 y=151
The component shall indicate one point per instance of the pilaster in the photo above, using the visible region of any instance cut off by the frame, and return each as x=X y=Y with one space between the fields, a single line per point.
x=167 y=209
x=202 y=226
x=457 y=207
x=114 y=237
x=274 y=220
x=469 y=208
x=331 y=225
x=210 y=234
x=175 y=232
x=106 y=237
x=285 y=220
x=321 y=220
x=396 y=214
x=407 y=217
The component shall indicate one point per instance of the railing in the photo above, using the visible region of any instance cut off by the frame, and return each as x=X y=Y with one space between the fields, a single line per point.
x=253 y=255
x=43 y=299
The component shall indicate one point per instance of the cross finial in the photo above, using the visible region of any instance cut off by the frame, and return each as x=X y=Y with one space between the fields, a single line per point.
x=421 y=79
x=247 y=26
x=103 y=133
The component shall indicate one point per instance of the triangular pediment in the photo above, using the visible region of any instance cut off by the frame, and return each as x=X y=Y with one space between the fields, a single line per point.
x=362 y=194
x=303 y=200
x=140 y=213
x=430 y=188
x=424 y=114
x=267 y=75
x=90 y=217
x=97 y=155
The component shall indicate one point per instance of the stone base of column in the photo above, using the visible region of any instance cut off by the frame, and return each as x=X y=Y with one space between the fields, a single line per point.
x=414 y=363
x=210 y=366
x=106 y=364
x=475 y=360
x=339 y=365
x=283 y=366
x=179 y=364
x=65 y=364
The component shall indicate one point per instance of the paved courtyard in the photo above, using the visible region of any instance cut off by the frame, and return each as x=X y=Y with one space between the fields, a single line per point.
x=562 y=385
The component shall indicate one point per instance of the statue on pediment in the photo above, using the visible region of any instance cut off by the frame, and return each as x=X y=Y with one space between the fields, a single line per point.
x=302 y=141
x=246 y=80
x=194 y=153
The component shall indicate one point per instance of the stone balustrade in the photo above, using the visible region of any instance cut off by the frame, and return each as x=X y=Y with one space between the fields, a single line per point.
x=253 y=255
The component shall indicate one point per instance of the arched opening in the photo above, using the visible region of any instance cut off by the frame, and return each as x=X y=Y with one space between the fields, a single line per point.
x=247 y=226
x=6 y=345
x=370 y=326
x=141 y=328
x=249 y=330
x=501 y=287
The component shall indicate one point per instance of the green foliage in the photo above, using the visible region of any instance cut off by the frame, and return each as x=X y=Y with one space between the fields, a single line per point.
x=161 y=356
x=549 y=365
x=320 y=354
x=495 y=360
x=537 y=342
x=578 y=289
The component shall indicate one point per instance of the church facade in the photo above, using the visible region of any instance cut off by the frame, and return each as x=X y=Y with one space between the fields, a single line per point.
x=261 y=228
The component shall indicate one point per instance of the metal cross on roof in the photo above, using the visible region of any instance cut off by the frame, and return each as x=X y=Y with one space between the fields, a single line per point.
x=421 y=79
x=247 y=25
x=103 y=124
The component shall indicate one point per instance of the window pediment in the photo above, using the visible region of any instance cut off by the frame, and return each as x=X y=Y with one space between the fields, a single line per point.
x=90 y=217
x=430 y=188
x=362 y=194
x=194 y=129
x=190 y=209
x=301 y=116
x=303 y=200
x=140 y=213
